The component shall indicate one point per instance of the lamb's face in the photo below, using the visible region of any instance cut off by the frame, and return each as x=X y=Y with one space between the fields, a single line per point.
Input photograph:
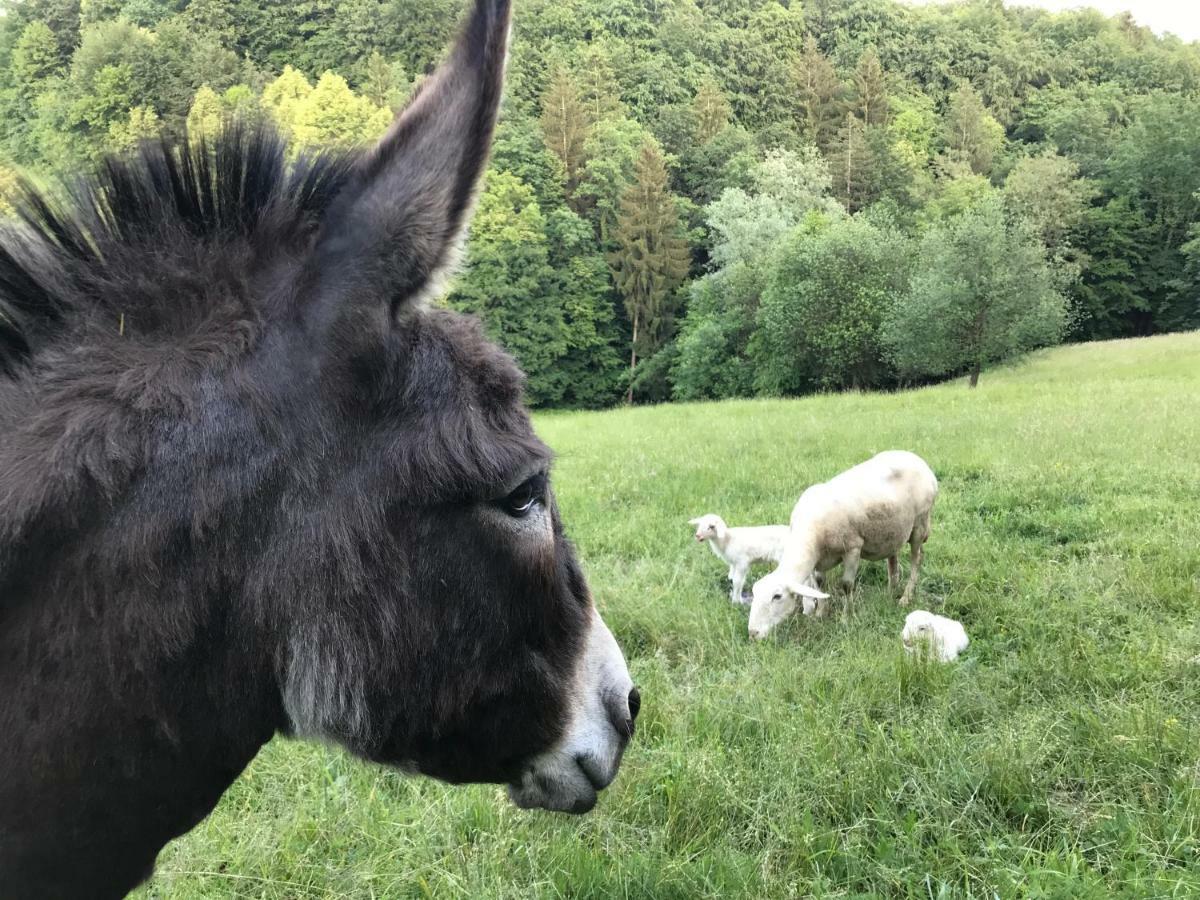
x=706 y=527
x=919 y=632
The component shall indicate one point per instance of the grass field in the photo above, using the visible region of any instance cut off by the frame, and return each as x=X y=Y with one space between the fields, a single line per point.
x=1059 y=758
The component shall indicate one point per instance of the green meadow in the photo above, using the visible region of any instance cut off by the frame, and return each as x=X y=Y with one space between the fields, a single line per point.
x=1060 y=757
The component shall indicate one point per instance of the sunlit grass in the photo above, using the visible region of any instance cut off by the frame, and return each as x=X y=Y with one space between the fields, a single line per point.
x=1059 y=757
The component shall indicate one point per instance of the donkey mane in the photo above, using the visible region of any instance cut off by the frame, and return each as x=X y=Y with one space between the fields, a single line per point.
x=98 y=257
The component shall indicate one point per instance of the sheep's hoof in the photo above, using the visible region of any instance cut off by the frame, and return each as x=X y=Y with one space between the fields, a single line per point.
x=904 y=601
x=744 y=600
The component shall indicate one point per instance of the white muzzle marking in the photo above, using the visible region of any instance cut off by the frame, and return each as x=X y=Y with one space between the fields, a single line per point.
x=568 y=777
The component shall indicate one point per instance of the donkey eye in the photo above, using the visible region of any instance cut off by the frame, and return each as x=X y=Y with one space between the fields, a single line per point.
x=524 y=499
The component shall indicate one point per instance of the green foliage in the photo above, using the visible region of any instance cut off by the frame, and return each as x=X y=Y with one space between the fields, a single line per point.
x=1085 y=128
x=564 y=341
x=971 y=135
x=1047 y=194
x=206 y=117
x=712 y=110
x=984 y=292
x=333 y=115
x=143 y=124
x=8 y=189
x=821 y=321
x=565 y=125
x=651 y=257
x=747 y=226
x=508 y=262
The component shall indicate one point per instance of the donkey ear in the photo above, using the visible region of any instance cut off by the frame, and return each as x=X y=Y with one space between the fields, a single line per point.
x=399 y=223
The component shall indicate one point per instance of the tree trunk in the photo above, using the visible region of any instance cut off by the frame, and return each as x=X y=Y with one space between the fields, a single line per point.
x=975 y=375
x=632 y=359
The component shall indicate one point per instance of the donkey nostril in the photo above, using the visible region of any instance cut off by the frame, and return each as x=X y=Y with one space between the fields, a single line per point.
x=635 y=703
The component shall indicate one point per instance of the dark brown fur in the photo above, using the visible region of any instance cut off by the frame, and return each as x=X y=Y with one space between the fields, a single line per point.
x=248 y=487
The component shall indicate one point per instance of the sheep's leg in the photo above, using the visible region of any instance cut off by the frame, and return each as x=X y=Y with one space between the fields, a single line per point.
x=893 y=574
x=737 y=577
x=915 y=553
x=849 y=574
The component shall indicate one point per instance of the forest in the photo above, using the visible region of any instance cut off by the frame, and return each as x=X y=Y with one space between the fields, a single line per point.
x=706 y=199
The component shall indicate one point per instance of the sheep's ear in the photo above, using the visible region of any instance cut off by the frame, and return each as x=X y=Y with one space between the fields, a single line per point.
x=397 y=226
x=693 y=521
x=805 y=591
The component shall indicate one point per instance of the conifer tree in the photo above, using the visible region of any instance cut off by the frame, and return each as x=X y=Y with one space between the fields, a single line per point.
x=652 y=258
x=870 y=101
x=851 y=161
x=712 y=110
x=973 y=137
x=565 y=126
x=819 y=95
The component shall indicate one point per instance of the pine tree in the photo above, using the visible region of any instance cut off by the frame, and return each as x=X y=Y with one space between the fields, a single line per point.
x=972 y=136
x=652 y=257
x=382 y=83
x=818 y=93
x=565 y=126
x=596 y=79
x=712 y=110
x=870 y=100
x=851 y=161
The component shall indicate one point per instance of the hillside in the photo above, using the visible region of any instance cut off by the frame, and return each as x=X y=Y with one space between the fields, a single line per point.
x=789 y=162
x=1062 y=754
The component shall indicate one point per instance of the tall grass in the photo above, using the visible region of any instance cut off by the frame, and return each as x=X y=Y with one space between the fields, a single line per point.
x=1059 y=757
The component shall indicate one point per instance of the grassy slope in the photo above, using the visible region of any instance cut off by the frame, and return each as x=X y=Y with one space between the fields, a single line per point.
x=1061 y=757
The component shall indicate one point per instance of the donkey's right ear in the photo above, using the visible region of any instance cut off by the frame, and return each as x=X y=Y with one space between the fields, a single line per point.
x=397 y=226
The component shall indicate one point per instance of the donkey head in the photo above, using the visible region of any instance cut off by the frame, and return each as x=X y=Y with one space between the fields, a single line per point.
x=438 y=618
x=281 y=484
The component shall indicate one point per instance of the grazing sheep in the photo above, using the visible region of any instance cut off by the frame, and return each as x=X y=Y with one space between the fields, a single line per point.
x=867 y=512
x=740 y=548
x=936 y=636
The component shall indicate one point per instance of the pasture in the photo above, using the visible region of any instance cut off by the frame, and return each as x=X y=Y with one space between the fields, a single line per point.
x=1059 y=757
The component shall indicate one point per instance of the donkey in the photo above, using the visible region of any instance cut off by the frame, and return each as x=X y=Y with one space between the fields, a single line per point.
x=250 y=485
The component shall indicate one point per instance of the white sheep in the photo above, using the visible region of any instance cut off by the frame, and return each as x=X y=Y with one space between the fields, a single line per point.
x=941 y=638
x=740 y=548
x=867 y=512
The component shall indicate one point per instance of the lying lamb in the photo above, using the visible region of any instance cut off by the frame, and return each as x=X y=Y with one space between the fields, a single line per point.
x=740 y=548
x=941 y=638
x=867 y=512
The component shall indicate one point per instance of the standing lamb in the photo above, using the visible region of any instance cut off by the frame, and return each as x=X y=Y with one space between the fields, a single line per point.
x=740 y=548
x=867 y=512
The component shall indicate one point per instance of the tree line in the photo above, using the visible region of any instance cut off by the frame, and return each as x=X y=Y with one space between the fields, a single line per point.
x=697 y=199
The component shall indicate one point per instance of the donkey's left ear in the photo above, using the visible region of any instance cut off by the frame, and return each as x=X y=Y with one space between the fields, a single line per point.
x=398 y=224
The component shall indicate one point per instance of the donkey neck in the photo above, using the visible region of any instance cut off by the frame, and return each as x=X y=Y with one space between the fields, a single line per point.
x=134 y=749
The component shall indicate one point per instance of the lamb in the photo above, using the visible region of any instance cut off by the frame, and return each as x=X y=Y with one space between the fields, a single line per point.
x=740 y=548
x=867 y=512
x=941 y=638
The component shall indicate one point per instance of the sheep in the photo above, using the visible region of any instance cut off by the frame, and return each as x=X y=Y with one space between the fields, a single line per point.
x=740 y=548
x=867 y=512
x=941 y=638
